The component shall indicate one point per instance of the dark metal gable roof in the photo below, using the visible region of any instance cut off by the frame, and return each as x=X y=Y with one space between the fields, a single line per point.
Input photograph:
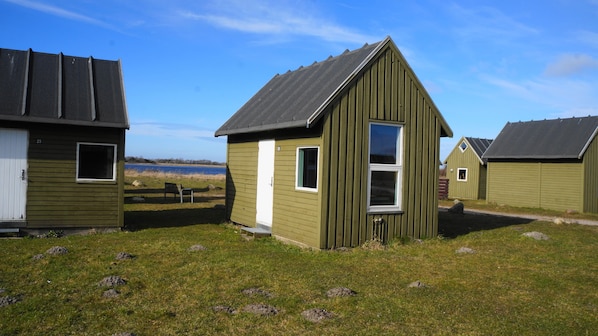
x=479 y=146
x=544 y=139
x=60 y=89
x=296 y=98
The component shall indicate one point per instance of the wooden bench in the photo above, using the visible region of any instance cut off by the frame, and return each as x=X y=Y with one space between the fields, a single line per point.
x=177 y=189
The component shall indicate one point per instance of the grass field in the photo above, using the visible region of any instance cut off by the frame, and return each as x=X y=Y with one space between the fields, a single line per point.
x=506 y=284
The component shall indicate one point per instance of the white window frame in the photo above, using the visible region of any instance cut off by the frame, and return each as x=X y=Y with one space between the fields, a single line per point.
x=461 y=146
x=466 y=174
x=114 y=162
x=396 y=167
x=299 y=169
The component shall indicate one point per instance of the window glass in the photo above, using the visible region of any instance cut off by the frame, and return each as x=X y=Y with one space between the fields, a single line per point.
x=307 y=168
x=463 y=146
x=383 y=143
x=384 y=186
x=462 y=174
x=96 y=162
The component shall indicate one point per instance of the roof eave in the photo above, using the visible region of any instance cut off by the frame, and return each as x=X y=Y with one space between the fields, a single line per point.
x=261 y=128
x=28 y=119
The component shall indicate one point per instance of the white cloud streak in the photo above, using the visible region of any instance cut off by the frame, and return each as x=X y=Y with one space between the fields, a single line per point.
x=165 y=130
x=571 y=64
x=276 y=19
x=60 y=12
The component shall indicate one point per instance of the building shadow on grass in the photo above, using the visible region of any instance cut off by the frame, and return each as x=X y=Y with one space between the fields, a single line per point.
x=452 y=225
x=140 y=220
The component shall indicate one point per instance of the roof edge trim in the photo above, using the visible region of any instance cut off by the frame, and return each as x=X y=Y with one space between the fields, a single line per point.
x=587 y=144
x=261 y=128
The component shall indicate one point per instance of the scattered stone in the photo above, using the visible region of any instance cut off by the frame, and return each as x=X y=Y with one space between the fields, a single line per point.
x=571 y=211
x=343 y=249
x=465 y=250
x=8 y=300
x=256 y=291
x=457 y=208
x=260 y=309
x=138 y=199
x=2 y=290
x=112 y=281
x=38 y=256
x=536 y=235
x=417 y=284
x=224 y=309
x=57 y=250
x=137 y=183
x=124 y=256
x=124 y=334
x=340 y=292
x=197 y=247
x=111 y=293
x=316 y=314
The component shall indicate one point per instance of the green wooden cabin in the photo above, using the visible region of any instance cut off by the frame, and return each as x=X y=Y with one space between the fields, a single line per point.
x=62 y=141
x=337 y=153
x=466 y=169
x=550 y=164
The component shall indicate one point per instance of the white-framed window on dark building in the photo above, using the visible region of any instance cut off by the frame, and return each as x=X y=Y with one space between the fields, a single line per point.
x=307 y=168
x=96 y=162
x=385 y=168
x=462 y=174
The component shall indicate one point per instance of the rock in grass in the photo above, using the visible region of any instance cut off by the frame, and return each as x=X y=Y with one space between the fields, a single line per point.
x=111 y=293
x=112 y=281
x=197 y=247
x=340 y=292
x=417 y=284
x=124 y=334
x=256 y=291
x=536 y=235
x=465 y=250
x=260 y=309
x=224 y=309
x=57 y=250
x=8 y=300
x=124 y=256
x=38 y=256
x=316 y=314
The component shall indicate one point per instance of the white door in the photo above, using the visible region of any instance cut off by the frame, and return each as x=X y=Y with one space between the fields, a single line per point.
x=265 y=182
x=13 y=173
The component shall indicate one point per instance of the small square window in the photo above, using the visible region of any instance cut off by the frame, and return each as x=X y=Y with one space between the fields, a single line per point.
x=307 y=168
x=462 y=174
x=96 y=162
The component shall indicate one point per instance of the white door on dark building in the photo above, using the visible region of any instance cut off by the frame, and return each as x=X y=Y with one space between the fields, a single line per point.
x=265 y=182
x=13 y=173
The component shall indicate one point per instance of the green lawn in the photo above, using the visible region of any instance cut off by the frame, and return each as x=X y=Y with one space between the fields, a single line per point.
x=509 y=285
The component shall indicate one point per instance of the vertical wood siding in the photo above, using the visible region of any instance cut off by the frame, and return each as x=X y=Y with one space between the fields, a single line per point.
x=471 y=188
x=590 y=179
x=241 y=182
x=295 y=214
x=556 y=186
x=54 y=198
x=387 y=91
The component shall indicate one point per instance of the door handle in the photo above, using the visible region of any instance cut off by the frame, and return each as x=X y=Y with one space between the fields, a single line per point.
x=22 y=174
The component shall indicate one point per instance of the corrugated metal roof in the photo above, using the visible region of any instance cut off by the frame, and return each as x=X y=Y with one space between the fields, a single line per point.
x=479 y=146
x=291 y=99
x=60 y=89
x=297 y=98
x=544 y=139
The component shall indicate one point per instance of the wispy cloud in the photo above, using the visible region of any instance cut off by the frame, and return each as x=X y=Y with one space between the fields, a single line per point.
x=566 y=97
x=571 y=64
x=275 y=18
x=589 y=38
x=60 y=12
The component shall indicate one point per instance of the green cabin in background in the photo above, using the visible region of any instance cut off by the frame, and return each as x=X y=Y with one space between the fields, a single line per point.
x=550 y=164
x=62 y=141
x=337 y=153
x=466 y=170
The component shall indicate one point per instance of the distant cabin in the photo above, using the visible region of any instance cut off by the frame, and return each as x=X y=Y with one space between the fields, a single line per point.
x=466 y=169
x=549 y=164
x=62 y=141
x=337 y=153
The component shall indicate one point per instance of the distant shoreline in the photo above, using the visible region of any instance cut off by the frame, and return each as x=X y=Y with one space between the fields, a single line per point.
x=175 y=164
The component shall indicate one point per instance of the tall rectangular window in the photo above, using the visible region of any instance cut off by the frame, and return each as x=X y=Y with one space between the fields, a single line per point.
x=462 y=174
x=385 y=168
x=307 y=168
x=96 y=162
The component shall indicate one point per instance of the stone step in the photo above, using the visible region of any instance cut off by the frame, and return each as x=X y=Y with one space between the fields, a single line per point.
x=257 y=232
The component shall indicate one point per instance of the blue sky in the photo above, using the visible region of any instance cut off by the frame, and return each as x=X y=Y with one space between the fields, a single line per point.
x=189 y=65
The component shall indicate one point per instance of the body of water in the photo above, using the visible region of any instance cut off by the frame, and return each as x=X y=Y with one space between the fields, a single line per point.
x=177 y=169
